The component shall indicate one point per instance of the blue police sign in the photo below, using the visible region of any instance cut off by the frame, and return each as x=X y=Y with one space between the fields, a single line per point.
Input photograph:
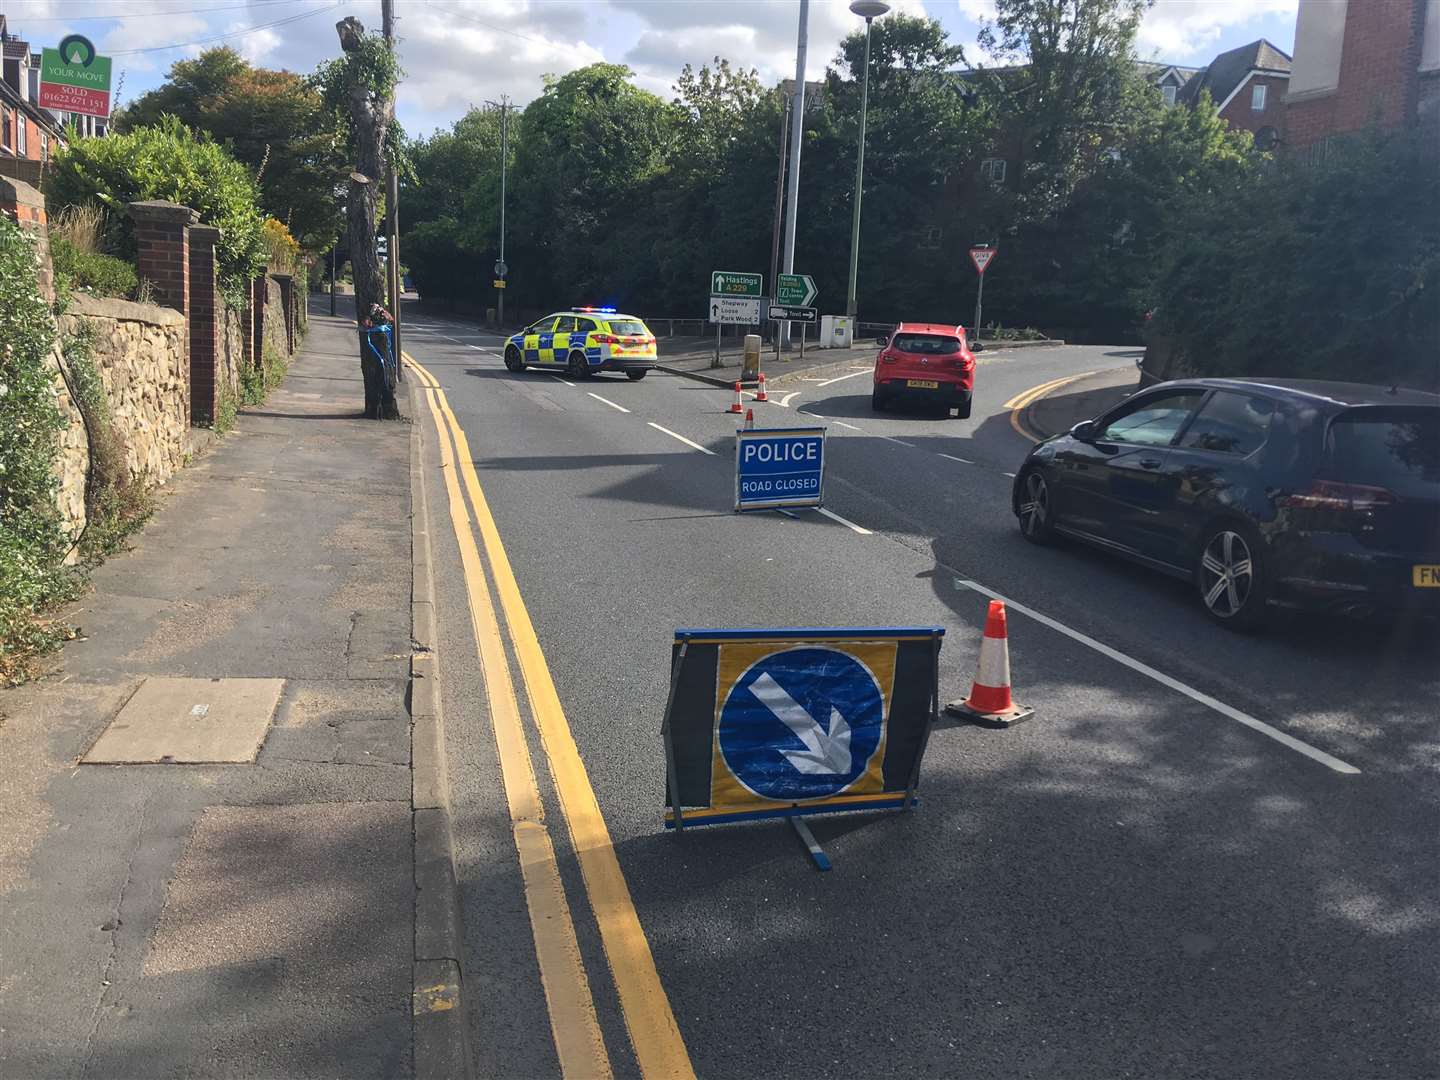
x=779 y=467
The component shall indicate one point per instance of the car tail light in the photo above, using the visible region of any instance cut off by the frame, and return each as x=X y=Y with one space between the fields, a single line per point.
x=965 y=362
x=1333 y=495
x=606 y=339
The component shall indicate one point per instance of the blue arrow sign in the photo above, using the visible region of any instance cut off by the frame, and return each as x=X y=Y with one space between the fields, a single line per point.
x=802 y=723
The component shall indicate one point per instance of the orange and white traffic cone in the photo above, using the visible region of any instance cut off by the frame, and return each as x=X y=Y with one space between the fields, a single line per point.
x=749 y=419
x=760 y=394
x=737 y=406
x=989 y=702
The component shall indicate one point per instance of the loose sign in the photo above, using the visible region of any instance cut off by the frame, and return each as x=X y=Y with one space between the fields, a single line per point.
x=784 y=723
x=981 y=257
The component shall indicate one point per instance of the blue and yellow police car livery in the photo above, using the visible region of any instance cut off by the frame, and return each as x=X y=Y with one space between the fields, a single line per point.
x=584 y=340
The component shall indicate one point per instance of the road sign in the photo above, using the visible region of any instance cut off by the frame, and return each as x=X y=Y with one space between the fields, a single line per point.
x=783 y=313
x=735 y=310
x=74 y=79
x=499 y=283
x=729 y=283
x=981 y=257
x=795 y=290
x=767 y=723
x=501 y=269
x=779 y=467
x=382 y=245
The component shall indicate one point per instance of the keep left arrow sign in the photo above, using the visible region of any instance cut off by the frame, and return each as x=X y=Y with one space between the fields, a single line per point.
x=826 y=752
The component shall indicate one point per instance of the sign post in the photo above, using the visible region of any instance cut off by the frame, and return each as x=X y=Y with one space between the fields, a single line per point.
x=73 y=78
x=790 y=722
x=980 y=255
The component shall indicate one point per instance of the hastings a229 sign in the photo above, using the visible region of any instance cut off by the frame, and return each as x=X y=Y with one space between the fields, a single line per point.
x=73 y=78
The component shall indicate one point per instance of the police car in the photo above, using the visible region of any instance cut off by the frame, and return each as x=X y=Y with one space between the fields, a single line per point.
x=584 y=340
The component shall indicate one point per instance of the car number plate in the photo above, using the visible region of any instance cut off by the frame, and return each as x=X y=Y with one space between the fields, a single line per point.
x=1426 y=576
x=922 y=384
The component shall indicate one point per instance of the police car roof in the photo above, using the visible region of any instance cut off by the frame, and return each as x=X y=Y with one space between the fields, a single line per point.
x=609 y=313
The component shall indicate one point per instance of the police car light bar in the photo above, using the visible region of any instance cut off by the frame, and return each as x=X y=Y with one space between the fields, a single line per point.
x=600 y=310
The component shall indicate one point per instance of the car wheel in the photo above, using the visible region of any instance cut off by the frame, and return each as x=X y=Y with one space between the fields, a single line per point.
x=962 y=411
x=636 y=376
x=879 y=400
x=1230 y=576
x=577 y=368
x=512 y=359
x=1036 y=512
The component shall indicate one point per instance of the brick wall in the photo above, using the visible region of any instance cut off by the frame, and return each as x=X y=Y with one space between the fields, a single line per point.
x=1378 y=82
x=1239 y=114
x=206 y=326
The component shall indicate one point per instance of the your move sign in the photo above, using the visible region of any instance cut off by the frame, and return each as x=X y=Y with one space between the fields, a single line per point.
x=74 y=79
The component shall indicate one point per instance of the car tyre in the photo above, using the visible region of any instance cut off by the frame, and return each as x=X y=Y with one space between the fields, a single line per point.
x=1231 y=577
x=879 y=400
x=636 y=376
x=962 y=411
x=512 y=359
x=1035 y=512
x=578 y=367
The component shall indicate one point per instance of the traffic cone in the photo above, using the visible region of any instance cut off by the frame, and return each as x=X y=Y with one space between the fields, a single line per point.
x=749 y=419
x=760 y=394
x=737 y=406
x=989 y=702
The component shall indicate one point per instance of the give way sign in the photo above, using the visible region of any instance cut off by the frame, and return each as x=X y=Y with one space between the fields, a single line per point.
x=981 y=257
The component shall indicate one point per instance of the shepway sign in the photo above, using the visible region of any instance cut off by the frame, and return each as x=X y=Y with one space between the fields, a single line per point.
x=795 y=290
x=74 y=79
x=735 y=310
x=731 y=283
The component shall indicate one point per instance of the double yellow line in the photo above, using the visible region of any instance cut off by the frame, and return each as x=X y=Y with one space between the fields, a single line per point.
x=1023 y=400
x=659 y=1049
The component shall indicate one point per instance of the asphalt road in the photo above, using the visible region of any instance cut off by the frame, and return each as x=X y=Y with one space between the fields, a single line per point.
x=1143 y=880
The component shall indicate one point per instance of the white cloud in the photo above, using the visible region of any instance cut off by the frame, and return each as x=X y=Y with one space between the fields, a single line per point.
x=1187 y=30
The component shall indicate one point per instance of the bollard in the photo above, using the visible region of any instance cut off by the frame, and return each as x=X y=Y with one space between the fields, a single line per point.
x=750 y=372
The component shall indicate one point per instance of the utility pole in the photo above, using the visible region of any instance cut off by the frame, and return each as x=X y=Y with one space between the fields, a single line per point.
x=334 y=252
x=392 y=204
x=869 y=10
x=779 y=208
x=797 y=127
x=501 y=268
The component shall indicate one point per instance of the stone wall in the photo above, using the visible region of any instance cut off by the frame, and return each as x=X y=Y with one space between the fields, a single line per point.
x=276 y=338
x=232 y=359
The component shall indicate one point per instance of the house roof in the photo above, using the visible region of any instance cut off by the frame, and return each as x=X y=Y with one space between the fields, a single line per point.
x=1228 y=70
x=1156 y=71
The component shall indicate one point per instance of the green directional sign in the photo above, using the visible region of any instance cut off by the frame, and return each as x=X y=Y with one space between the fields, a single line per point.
x=730 y=283
x=795 y=290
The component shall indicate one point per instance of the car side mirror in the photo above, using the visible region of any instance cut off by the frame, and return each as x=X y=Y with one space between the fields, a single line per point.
x=1084 y=431
x=883 y=340
x=977 y=346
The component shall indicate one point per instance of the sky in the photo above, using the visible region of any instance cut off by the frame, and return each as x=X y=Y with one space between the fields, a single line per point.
x=463 y=53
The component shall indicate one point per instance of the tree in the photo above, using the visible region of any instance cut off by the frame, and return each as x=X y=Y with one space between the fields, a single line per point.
x=360 y=88
x=275 y=122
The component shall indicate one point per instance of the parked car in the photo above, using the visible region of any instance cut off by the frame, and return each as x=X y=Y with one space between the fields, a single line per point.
x=1265 y=493
x=926 y=361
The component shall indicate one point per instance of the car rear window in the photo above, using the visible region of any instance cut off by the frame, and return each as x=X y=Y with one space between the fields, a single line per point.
x=926 y=344
x=627 y=326
x=1393 y=448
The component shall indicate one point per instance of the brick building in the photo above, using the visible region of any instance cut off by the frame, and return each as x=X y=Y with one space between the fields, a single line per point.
x=1362 y=63
x=1248 y=86
x=28 y=133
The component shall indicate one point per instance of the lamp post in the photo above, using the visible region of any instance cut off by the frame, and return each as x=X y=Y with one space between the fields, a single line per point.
x=868 y=10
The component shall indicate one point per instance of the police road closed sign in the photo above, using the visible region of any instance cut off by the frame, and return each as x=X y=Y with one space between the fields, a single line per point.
x=766 y=723
x=779 y=467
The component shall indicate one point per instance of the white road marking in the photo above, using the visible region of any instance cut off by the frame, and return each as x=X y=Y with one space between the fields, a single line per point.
x=558 y=379
x=677 y=435
x=607 y=401
x=841 y=423
x=845 y=521
x=842 y=378
x=785 y=401
x=787 y=513
x=961 y=460
x=902 y=442
x=1284 y=739
x=1011 y=475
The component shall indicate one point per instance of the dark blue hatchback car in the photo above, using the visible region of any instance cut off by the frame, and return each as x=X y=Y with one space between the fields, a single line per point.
x=1264 y=493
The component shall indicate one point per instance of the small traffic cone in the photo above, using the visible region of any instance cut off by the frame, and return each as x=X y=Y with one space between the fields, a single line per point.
x=749 y=419
x=737 y=406
x=989 y=702
x=760 y=394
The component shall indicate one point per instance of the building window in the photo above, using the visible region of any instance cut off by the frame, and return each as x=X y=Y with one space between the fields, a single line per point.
x=1169 y=92
x=933 y=236
x=5 y=143
x=22 y=136
x=1266 y=138
x=1257 y=98
x=992 y=170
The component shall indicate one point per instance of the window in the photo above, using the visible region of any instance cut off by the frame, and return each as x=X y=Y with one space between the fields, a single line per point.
x=1266 y=138
x=22 y=136
x=926 y=344
x=1152 y=422
x=1231 y=424
x=933 y=236
x=992 y=170
x=5 y=141
x=626 y=327
x=585 y=326
x=565 y=324
x=1169 y=92
x=44 y=147
x=1257 y=98
x=1398 y=449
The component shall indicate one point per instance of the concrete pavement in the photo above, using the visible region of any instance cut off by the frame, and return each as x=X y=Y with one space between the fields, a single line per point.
x=229 y=920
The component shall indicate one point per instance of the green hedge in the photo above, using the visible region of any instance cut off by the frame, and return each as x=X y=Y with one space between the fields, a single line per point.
x=104 y=275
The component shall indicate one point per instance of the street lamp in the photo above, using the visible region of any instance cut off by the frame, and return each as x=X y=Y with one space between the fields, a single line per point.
x=867 y=10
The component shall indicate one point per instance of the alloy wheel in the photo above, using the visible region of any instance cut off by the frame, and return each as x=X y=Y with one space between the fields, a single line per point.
x=1227 y=574
x=1035 y=509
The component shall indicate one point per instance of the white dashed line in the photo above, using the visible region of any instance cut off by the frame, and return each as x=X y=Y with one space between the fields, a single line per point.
x=607 y=401
x=1284 y=739
x=1010 y=474
x=558 y=379
x=902 y=442
x=845 y=521
x=842 y=378
x=961 y=460
x=677 y=435
x=841 y=423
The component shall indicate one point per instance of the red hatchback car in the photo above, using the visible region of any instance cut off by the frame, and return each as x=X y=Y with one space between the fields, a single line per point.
x=928 y=361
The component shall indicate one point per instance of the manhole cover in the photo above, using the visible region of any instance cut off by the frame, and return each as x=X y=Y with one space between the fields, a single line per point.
x=189 y=721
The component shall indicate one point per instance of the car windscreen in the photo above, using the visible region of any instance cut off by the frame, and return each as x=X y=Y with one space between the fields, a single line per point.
x=1396 y=448
x=926 y=344
x=626 y=327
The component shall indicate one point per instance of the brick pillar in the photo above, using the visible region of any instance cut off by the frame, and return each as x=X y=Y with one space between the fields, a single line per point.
x=25 y=206
x=258 y=290
x=206 y=326
x=287 y=307
x=162 y=250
